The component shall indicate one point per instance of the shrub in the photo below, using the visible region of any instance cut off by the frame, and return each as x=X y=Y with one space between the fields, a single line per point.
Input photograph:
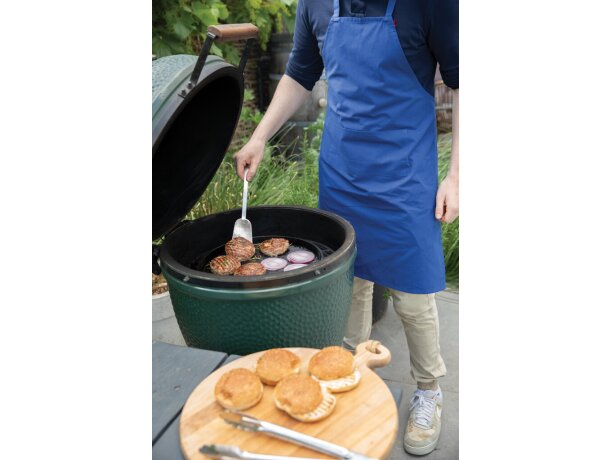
x=180 y=26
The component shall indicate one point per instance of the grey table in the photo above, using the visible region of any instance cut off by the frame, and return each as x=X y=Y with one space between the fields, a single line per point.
x=176 y=371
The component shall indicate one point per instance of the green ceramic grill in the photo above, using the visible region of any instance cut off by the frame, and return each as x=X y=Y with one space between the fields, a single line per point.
x=196 y=106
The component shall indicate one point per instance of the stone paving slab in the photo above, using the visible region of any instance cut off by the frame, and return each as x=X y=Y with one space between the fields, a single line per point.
x=176 y=371
x=389 y=331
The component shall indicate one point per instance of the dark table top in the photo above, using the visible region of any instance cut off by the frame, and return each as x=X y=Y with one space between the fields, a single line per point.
x=176 y=372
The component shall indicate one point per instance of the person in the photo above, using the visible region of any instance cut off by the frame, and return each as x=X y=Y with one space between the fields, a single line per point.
x=378 y=162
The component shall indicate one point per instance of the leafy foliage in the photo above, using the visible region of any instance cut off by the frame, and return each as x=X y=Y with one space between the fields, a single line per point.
x=267 y=15
x=279 y=180
x=179 y=26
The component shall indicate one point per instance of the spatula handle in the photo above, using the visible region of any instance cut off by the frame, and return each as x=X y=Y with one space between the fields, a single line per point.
x=244 y=203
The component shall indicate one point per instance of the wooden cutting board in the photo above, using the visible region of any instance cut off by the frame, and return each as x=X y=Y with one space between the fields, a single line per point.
x=365 y=419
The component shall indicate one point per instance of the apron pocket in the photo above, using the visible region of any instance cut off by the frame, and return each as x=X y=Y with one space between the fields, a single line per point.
x=369 y=155
x=371 y=169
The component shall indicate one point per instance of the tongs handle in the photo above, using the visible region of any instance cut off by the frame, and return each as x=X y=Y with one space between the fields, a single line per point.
x=253 y=456
x=305 y=440
x=244 y=201
x=224 y=452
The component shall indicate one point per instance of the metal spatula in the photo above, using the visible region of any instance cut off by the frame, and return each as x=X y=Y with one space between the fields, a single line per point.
x=243 y=227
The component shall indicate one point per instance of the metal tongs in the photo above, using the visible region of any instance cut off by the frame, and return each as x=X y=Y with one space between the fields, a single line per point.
x=249 y=423
x=223 y=452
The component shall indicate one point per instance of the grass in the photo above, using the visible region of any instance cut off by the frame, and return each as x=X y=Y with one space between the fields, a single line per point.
x=294 y=181
x=279 y=180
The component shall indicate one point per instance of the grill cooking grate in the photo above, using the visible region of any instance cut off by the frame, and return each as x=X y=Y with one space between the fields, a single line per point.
x=202 y=262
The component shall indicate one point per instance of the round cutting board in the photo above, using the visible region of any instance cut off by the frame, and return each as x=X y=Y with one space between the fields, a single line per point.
x=365 y=419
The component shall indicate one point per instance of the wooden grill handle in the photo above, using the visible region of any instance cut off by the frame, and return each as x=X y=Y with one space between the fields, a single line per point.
x=373 y=354
x=232 y=32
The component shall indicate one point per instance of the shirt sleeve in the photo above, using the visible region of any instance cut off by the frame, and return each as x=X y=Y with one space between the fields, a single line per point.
x=443 y=39
x=305 y=63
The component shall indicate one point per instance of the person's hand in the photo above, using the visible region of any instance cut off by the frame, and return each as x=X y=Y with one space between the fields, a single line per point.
x=249 y=156
x=447 y=199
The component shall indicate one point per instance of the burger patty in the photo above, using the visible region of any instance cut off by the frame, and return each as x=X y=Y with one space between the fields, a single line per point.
x=224 y=265
x=251 y=269
x=240 y=248
x=274 y=246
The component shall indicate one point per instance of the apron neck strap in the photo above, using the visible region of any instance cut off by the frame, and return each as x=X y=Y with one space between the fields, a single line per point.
x=388 y=13
x=335 y=8
x=390 y=9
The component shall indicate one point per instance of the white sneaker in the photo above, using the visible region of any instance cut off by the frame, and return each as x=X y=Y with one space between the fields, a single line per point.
x=424 y=424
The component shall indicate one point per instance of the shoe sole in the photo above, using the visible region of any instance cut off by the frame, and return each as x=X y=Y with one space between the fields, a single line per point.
x=420 y=450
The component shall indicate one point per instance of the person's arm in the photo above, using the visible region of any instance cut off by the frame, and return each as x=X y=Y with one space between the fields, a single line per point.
x=303 y=69
x=288 y=97
x=444 y=44
x=447 y=197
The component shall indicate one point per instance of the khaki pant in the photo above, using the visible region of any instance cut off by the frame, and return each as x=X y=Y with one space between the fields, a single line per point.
x=419 y=318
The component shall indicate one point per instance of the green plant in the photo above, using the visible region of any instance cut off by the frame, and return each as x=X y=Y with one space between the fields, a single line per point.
x=279 y=181
x=179 y=26
x=267 y=15
x=248 y=114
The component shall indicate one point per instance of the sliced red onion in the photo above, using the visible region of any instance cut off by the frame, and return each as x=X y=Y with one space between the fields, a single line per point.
x=301 y=257
x=274 y=263
x=294 y=267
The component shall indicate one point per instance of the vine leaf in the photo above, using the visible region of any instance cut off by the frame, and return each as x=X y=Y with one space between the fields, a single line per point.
x=205 y=14
x=182 y=30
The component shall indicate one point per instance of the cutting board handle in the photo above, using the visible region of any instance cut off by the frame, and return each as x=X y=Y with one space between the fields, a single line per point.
x=373 y=354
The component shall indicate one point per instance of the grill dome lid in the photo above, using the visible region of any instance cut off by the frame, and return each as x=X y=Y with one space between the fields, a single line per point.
x=190 y=132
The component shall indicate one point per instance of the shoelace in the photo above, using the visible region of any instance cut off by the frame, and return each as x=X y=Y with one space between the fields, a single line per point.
x=424 y=410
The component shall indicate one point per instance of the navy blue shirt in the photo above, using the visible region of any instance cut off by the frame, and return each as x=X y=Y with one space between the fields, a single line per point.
x=427 y=29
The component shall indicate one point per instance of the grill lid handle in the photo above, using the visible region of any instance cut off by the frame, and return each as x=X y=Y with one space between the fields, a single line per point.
x=222 y=33
x=232 y=32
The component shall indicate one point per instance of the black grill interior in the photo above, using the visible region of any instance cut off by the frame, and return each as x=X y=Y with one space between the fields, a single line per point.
x=188 y=250
x=192 y=148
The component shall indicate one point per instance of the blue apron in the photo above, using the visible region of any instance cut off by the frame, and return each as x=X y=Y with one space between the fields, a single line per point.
x=378 y=159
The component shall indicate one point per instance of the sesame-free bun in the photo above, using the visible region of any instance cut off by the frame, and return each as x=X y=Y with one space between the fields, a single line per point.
x=303 y=398
x=238 y=389
x=334 y=367
x=331 y=363
x=342 y=384
x=276 y=364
